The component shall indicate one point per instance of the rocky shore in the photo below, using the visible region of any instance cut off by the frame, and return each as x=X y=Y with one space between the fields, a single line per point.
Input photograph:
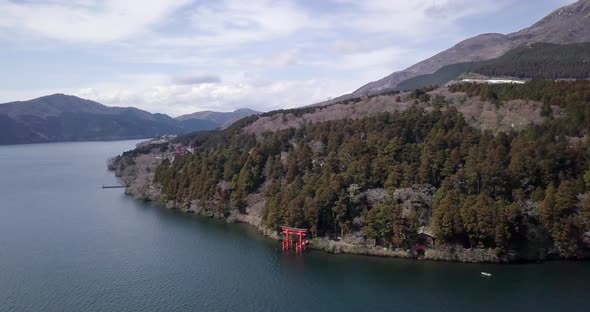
x=138 y=175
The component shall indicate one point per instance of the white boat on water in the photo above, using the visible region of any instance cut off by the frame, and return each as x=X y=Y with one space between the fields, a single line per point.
x=486 y=274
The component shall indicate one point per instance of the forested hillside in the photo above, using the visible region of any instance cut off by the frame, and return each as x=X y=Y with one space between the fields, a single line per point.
x=566 y=25
x=541 y=61
x=60 y=117
x=515 y=192
x=535 y=61
x=438 y=78
x=572 y=96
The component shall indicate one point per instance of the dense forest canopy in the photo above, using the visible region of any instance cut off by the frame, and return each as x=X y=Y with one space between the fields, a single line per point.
x=536 y=61
x=438 y=78
x=572 y=96
x=492 y=189
x=541 y=61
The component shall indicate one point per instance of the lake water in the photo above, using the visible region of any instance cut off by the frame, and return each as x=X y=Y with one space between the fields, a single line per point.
x=68 y=245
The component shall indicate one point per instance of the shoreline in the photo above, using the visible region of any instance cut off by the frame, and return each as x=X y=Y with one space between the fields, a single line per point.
x=340 y=246
x=374 y=253
x=138 y=176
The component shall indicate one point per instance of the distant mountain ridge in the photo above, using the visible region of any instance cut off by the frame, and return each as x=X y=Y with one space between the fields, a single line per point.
x=60 y=117
x=223 y=119
x=569 y=24
x=535 y=61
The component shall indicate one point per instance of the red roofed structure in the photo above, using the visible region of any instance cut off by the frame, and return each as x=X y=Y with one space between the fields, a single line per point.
x=288 y=241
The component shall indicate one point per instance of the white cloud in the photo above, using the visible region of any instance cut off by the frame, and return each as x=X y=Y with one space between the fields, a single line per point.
x=85 y=21
x=356 y=46
x=195 y=79
x=283 y=58
x=232 y=22
x=189 y=45
x=412 y=18
x=379 y=57
x=154 y=95
x=394 y=32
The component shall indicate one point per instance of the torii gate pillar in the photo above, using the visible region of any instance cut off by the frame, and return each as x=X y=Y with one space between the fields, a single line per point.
x=300 y=245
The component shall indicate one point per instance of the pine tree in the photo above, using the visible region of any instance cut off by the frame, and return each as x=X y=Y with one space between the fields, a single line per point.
x=548 y=213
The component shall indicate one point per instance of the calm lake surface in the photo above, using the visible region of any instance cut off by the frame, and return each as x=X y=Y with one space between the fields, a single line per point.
x=68 y=245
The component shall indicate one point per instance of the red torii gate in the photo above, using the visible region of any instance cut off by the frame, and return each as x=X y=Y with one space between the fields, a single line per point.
x=288 y=242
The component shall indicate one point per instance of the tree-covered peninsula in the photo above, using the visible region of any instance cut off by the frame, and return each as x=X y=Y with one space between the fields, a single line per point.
x=491 y=172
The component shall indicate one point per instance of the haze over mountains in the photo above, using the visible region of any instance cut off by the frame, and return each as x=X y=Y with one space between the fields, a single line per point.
x=570 y=24
x=62 y=117
x=555 y=47
x=221 y=119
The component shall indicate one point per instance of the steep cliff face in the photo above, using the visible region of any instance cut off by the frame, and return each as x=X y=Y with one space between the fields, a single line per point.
x=570 y=24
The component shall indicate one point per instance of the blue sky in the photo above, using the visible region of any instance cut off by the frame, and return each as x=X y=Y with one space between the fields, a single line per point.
x=181 y=56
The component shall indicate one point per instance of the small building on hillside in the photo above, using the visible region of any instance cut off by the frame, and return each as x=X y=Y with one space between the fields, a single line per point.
x=494 y=81
x=426 y=239
x=181 y=151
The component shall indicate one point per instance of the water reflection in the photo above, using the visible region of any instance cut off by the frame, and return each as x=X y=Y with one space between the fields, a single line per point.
x=70 y=246
x=293 y=261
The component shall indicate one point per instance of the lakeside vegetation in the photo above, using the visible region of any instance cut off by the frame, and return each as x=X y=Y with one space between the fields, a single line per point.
x=511 y=191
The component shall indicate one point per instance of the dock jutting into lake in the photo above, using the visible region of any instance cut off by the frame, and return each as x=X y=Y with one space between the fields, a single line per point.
x=113 y=186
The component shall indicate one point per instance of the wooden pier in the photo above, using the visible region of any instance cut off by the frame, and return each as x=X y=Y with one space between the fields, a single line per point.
x=113 y=186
